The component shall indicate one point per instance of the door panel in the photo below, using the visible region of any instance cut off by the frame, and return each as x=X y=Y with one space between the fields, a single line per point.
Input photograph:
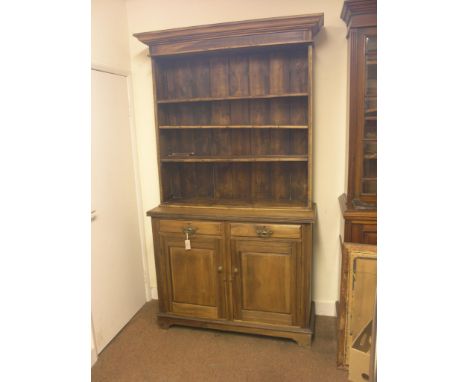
x=117 y=276
x=264 y=281
x=192 y=276
x=258 y=270
x=194 y=283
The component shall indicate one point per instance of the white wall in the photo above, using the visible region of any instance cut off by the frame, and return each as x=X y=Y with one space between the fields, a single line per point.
x=109 y=35
x=330 y=112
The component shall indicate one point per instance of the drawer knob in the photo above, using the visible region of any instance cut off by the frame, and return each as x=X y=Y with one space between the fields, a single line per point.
x=220 y=268
x=189 y=230
x=264 y=232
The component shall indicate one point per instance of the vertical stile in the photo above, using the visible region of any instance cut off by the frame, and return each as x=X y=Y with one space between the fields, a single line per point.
x=157 y=75
x=310 y=122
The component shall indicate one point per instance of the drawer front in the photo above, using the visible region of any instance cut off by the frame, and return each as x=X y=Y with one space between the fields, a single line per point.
x=278 y=231
x=191 y=226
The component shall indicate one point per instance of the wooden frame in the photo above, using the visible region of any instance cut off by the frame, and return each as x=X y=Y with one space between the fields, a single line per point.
x=359 y=206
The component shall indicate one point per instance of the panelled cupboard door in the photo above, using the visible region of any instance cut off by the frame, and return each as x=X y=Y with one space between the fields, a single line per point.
x=194 y=276
x=264 y=281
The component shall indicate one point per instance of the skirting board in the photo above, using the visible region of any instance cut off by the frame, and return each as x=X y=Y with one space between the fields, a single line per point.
x=322 y=308
x=94 y=356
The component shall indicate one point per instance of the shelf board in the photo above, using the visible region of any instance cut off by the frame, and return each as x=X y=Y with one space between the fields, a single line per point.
x=241 y=211
x=263 y=158
x=371 y=118
x=207 y=201
x=175 y=127
x=232 y=98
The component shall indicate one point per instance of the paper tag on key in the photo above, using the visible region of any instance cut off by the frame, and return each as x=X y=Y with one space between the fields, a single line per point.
x=187 y=242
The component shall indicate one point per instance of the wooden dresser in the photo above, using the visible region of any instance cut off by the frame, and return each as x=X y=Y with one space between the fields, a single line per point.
x=233 y=233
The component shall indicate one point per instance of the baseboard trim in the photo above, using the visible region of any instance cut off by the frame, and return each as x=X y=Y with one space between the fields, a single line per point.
x=94 y=356
x=325 y=308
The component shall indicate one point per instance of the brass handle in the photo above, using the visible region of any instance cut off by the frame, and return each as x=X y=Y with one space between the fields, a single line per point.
x=236 y=271
x=264 y=232
x=189 y=230
x=220 y=269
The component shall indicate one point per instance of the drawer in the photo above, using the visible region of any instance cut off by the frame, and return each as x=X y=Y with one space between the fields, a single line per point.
x=287 y=231
x=198 y=227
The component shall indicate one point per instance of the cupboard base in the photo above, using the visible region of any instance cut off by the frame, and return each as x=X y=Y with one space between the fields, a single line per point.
x=302 y=336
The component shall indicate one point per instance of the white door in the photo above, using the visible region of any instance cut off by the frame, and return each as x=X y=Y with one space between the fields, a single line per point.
x=118 y=286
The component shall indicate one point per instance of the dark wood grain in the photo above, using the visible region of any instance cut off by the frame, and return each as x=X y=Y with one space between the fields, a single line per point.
x=242 y=175
x=279 y=111
x=259 y=75
x=259 y=112
x=219 y=76
x=279 y=72
x=261 y=181
x=200 y=73
x=298 y=71
x=240 y=112
x=238 y=76
x=282 y=186
x=298 y=111
x=220 y=113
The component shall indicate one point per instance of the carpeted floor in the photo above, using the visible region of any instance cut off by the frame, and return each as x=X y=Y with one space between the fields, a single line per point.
x=143 y=352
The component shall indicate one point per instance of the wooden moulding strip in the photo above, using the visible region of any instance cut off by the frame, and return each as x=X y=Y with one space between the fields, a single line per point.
x=233 y=35
x=207 y=99
x=175 y=127
x=292 y=158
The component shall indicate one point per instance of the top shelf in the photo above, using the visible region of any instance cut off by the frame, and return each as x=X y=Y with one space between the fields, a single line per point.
x=206 y=99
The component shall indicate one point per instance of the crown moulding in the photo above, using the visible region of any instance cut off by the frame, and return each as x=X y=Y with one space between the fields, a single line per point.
x=238 y=34
x=359 y=13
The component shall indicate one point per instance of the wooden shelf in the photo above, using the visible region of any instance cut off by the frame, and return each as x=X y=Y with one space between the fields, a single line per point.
x=175 y=127
x=208 y=202
x=265 y=158
x=263 y=212
x=208 y=99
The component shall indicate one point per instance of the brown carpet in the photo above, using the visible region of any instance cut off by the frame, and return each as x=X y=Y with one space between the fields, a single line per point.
x=144 y=352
